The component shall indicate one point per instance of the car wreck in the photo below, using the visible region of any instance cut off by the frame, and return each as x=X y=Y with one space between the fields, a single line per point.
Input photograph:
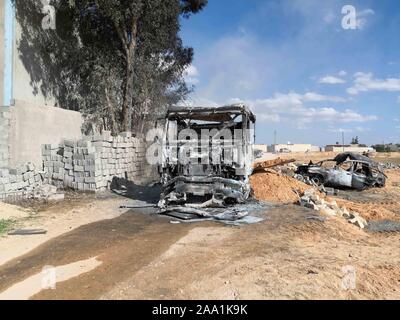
x=347 y=170
x=207 y=159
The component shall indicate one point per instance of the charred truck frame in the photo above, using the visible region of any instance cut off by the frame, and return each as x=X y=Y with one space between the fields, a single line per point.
x=207 y=157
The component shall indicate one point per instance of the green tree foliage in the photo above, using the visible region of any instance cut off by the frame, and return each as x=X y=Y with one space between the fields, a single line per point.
x=355 y=140
x=381 y=148
x=115 y=60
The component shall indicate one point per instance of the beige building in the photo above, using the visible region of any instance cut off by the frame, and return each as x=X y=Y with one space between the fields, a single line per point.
x=293 y=148
x=348 y=148
x=261 y=147
x=27 y=118
x=15 y=81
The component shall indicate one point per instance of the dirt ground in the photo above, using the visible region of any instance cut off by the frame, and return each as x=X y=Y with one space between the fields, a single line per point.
x=293 y=254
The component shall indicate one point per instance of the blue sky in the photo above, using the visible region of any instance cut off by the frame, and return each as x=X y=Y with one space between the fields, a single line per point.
x=300 y=71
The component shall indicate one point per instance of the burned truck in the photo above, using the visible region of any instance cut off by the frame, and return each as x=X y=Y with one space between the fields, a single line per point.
x=347 y=170
x=207 y=157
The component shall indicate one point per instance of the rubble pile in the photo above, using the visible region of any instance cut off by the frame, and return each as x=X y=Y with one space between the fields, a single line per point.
x=312 y=200
x=90 y=164
x=26 y=182
x=276 y=163
x=273 y=187
x=387 y=166
x=305 y=180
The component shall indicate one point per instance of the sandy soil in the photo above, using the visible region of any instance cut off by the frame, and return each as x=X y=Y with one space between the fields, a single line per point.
x=48 y=278
x=292 y=254
x=273 y=187
x=11 y=212
x=377 y=203
x=57 y=219
x=288 y=256
x=299 y=261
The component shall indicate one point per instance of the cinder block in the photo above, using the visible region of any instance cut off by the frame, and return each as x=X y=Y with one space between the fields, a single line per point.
x=69 y=143
x=79 y=168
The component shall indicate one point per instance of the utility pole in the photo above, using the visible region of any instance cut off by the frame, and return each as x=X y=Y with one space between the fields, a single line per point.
x=275 y=137
x=343 y=140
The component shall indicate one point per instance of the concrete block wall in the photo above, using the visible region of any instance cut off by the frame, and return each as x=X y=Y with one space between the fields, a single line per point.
x=91 y=163
x=5 y=125
x=35 y=125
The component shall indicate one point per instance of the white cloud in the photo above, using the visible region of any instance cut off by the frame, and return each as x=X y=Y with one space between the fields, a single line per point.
x=365 y=82
x=361 y=18
x=239 y=63
x=349 y=130
x=315 y=97
x=331 y=80
x=362 y=129
x=274 y=118
x=340 y=130
x=196 y=101
x=191 y=75
x=334 y=79
x=291 y=107
x=192 y=71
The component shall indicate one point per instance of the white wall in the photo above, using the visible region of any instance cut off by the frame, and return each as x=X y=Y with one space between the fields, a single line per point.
x=35 y=125
x=349 y=149
x=292 y=147
x=262 y=147
x=22 y=88
x=2 y=57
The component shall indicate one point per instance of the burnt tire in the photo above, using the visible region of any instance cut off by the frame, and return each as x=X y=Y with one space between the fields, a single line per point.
x=318 y=180
x=380 y=182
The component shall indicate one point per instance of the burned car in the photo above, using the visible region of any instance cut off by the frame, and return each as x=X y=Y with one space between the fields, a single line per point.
x=347 y=170
x=207 y=157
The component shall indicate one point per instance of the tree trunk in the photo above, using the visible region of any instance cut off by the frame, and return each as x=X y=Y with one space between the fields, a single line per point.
x=127 y=100
x=145 y=110
x=129 y=44
x=111 y=110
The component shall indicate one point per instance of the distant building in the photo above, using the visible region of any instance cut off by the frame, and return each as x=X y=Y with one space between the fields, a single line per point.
x=261 y=147
x=293 y=148
x=387 y=147
x=393 y=148
x=348 y=148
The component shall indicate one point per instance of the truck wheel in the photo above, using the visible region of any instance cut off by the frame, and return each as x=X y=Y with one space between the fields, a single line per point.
x=380 y=182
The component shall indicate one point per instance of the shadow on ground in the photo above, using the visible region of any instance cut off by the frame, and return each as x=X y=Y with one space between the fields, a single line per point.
x=128 y=189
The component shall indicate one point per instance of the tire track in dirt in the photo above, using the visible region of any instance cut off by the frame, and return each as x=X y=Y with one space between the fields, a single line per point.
x=124 y=245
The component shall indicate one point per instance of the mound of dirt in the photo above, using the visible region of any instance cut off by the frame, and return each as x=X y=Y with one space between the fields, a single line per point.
x=272 y=187
x=369 y=211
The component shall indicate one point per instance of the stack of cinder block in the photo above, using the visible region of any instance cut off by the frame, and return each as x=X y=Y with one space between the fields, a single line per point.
x=22 y=181
x=91 y=164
